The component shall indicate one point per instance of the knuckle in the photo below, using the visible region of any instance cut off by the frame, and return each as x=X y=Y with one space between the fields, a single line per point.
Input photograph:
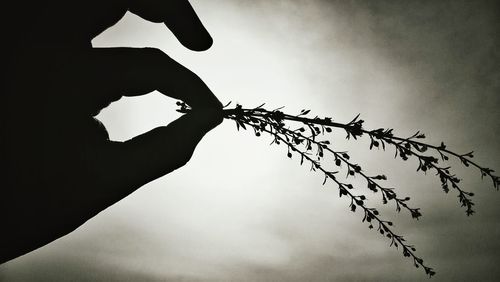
x=181 y=154
x=154 y=53
x=156 y=58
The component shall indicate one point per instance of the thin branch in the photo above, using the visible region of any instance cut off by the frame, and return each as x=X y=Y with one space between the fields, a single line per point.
x=274 y=122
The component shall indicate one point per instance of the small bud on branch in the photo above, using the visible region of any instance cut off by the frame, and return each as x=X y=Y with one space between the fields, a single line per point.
x=305 y=141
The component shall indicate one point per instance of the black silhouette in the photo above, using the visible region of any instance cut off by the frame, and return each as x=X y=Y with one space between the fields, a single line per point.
x=306 y=143
x=59 y=168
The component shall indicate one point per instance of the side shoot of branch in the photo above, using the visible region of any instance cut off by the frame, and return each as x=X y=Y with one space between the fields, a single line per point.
x=305 y=142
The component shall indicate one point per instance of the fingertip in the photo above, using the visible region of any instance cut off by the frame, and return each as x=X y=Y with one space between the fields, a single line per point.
x=208 y=118
x=208 y=43
x=187 y=26
x=194 y=41
x=200 y=44
x=180 y=17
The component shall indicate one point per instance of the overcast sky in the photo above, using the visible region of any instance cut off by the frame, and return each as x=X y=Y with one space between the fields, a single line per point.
x=242 y=211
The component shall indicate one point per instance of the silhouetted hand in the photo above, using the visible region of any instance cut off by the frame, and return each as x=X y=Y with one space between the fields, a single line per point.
x=59 y=167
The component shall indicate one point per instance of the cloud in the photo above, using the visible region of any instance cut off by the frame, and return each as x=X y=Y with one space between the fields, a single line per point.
x=240 y=212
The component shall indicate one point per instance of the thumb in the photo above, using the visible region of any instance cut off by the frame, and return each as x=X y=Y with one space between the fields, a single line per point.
x=144 y=158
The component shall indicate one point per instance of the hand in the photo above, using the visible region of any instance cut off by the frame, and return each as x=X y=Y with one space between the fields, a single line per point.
x=59 y=167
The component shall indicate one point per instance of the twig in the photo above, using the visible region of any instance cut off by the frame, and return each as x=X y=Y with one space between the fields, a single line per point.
x=304 y=141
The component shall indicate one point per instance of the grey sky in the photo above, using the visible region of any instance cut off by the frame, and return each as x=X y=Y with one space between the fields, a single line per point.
x=241 y=211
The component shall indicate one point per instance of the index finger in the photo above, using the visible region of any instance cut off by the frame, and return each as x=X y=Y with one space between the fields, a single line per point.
x=179 y=16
